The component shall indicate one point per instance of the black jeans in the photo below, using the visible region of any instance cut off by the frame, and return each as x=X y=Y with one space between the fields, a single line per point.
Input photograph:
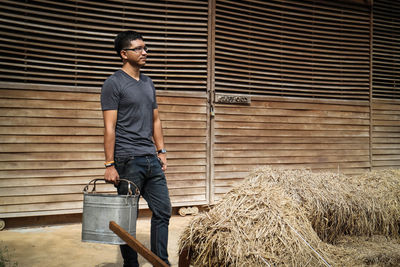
x=146 y=173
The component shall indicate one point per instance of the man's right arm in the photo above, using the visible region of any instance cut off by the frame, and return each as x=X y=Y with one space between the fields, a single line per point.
x=110 y=120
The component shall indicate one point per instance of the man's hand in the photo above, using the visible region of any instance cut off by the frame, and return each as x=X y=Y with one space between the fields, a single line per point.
x=163 y=158
x=111 y=175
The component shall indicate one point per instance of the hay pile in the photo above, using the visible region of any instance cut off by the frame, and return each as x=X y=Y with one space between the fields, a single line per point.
x=293 y=218
x=339 y=205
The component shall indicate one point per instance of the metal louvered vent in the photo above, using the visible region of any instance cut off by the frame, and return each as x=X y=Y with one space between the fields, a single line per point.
x=386 y=50
x=71 y=42
x=317 y=49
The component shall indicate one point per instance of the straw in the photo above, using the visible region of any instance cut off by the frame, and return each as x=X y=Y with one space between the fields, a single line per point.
x=297 y=218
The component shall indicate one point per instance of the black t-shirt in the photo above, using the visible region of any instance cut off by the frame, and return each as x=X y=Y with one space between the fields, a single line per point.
x=135 y=102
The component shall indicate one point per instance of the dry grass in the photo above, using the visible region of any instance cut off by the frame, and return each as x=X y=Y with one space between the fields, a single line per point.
x=293 y=218
x=342 y=205
x=374 y=250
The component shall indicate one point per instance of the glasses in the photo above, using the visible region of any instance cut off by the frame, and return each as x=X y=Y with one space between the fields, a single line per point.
x=138 y=49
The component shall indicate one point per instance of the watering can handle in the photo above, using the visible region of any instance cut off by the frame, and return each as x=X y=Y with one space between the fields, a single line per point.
x=137 y=191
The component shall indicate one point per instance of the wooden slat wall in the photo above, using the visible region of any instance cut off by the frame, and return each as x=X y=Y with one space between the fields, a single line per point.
x=386 y=49
x=71 y=42
x=317 y=49
x=289 y=132
x=304 y=64
x=385 y=134
x=386 y=85
x=301 y=51
x=55 y=55
x=184 y=120
x=51 y=146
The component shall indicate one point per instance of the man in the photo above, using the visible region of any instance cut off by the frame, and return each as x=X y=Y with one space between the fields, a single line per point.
x=133 y=140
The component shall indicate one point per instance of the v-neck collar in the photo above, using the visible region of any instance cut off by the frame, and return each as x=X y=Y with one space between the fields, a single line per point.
x=140 y=76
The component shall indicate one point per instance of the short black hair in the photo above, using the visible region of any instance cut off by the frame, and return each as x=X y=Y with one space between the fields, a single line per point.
x=124 y=39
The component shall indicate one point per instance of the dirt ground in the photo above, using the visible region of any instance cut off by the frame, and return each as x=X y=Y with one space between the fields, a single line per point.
x=60 y=245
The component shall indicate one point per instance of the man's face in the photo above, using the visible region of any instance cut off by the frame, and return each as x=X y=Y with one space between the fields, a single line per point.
x=136 y=53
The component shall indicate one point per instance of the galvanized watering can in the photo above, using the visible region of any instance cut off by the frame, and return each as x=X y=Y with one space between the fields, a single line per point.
x=100 y=209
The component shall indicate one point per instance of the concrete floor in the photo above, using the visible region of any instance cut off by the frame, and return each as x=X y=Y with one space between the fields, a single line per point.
x=61 y=245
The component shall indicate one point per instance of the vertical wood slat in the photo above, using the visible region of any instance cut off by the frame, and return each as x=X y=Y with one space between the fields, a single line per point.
x=211 y=100
x=371 y=73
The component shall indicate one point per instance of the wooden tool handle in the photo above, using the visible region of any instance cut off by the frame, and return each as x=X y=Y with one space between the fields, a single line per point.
x=137 y=246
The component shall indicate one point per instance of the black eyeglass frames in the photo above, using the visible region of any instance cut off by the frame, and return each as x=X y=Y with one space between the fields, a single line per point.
x=138 y=49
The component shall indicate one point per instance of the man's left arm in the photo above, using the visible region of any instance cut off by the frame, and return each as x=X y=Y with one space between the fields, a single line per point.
x=159 y=138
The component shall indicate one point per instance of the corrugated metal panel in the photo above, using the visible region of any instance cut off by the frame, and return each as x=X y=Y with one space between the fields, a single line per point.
x=317 y=49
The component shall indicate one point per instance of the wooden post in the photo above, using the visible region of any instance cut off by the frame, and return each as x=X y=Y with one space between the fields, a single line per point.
x=136 y=245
